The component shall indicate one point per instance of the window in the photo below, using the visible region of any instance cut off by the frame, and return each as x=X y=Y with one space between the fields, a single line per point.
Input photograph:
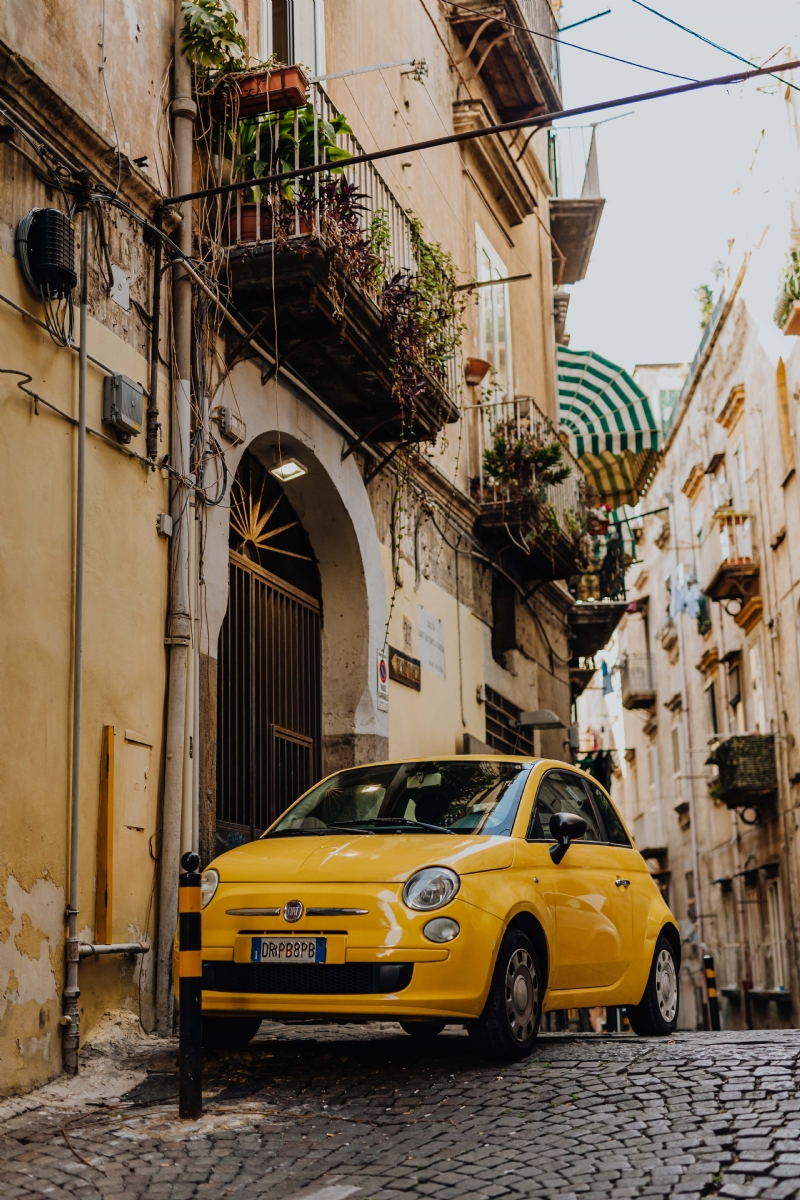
x=691 y=907
x=676 y=750
x=405 y=798
x=615 y=831
x=655 y=774
x=720 y=492
x=711 y=709
x=758 y=716
x=775 y=949
x=294 y=30
x=495 y=334
x=504 y=618
x=667 y=401
x=562 y=791
x=739 y=478
x=499 y=734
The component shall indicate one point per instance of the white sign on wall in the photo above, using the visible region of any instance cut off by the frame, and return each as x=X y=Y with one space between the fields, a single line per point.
x=383 y=682
x=430 y=641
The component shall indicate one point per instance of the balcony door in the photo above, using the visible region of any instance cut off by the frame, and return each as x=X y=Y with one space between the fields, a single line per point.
x=268 y=691
x=294 y=30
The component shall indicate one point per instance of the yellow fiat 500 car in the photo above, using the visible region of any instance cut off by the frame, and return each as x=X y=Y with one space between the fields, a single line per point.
x=481 y=891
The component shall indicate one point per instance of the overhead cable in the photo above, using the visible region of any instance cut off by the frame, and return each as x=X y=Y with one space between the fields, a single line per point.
x=708 y=41
x=477 y=12
x=469 y=135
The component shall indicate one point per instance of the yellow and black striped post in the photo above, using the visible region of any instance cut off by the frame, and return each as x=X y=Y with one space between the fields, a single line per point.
x=190 y=989
x=711 y=990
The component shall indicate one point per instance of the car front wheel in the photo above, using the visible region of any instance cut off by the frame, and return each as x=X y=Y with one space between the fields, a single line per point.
x=229 y=1033
x=509 y=1023
x=656 y=1015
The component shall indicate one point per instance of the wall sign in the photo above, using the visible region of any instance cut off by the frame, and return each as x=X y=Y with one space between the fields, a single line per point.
x=431 y=642
x=383 y=683
x=404 y=669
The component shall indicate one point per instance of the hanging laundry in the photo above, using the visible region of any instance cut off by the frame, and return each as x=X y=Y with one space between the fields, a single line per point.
x=608 y=683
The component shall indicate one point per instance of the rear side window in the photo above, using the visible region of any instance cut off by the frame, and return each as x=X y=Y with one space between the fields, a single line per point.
x=614 y=828
x=562 y=791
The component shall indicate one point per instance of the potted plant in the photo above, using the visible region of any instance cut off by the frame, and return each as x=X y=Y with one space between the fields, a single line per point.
x=269 y=89
x=787 y=306
x=251 y=143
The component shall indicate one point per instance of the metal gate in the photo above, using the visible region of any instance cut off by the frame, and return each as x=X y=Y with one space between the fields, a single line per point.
x=268 y=701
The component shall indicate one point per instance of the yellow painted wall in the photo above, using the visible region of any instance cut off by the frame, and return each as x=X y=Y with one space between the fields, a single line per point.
x=429 y=721
x=123 y=680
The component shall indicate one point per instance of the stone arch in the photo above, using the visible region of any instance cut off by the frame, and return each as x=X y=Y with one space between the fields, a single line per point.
x=332 y=503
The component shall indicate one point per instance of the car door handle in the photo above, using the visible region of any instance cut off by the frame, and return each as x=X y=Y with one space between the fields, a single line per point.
x=623 y=882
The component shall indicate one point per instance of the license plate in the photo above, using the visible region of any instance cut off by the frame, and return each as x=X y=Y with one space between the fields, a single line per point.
x=288 y=949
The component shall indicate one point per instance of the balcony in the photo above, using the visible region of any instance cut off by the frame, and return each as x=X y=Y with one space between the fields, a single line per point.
x=311 y=264
x=730 y=565
x=519 y=67
x=638 y=681
x=534 y=523
x=748 y=776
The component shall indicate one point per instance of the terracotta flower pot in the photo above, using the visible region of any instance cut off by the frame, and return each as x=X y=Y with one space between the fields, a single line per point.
x=252 y=93
x=475 y=370
x=249 y=224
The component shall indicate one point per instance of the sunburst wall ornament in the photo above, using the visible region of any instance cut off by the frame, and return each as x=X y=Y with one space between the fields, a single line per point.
x=250 y=521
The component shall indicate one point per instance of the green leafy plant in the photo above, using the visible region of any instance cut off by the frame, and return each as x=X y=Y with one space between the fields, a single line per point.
x=789 y=291
x=522 y=465
x=210 y=37
x=705 y=298
x=266 y=145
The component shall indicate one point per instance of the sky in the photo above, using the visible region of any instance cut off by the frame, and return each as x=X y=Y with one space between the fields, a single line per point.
x=670 y=172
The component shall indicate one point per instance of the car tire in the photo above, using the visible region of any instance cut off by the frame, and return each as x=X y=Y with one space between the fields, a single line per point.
x=423 y=1032
x=656 y=1015
x=509 y=1024
x=229 y=1033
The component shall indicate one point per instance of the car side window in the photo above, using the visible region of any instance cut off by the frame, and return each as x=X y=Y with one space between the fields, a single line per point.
x=562 y=791
x=615 y=830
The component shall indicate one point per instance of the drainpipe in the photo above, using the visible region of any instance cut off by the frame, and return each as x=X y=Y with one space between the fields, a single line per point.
x=687 y=742
x=184 y=112
x=71 y=1017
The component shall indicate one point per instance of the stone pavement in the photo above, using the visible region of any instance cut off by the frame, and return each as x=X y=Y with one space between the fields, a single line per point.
x=331 y=1112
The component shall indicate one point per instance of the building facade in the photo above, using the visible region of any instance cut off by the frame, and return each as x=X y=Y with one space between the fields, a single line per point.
x=298 y=553
x=705 y=674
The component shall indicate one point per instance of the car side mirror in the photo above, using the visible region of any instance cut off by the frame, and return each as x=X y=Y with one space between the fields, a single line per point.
x=564 y=827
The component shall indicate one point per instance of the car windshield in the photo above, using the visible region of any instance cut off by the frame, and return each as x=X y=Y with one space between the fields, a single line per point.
x=449 y=796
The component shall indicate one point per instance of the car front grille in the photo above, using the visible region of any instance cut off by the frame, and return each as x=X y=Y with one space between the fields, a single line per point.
x=280 y=979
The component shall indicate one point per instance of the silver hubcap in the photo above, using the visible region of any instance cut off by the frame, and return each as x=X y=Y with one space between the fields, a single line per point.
x=522 y=995
x=666 y=986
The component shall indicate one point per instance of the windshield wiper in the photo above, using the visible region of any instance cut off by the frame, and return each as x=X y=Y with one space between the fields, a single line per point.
x=405 y=823
x=318 y=832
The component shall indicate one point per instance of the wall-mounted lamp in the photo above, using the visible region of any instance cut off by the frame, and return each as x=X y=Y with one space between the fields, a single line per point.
x=542 y=718
x=287 y=469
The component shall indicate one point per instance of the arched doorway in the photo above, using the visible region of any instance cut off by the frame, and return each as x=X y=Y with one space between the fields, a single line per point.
x=269 y=737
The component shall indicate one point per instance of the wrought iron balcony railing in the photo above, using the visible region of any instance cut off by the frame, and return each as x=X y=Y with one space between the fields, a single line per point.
x=638 y=681
x=290 y=249
x=748 y=776
x=539 y=523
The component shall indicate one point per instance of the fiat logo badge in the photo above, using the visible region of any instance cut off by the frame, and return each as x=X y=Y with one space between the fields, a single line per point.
x=292 y=910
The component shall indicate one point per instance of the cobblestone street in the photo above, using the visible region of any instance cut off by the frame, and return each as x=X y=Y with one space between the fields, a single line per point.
x=332 y=1112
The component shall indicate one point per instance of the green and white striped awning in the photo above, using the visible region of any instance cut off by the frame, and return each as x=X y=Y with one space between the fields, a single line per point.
x=609 y=423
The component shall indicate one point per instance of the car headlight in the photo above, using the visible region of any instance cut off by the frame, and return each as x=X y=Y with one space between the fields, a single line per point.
x=441 y=929
x=209 y=882
x=431 y=888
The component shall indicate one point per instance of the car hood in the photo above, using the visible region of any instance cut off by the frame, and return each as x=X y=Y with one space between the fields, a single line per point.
x=360 y=858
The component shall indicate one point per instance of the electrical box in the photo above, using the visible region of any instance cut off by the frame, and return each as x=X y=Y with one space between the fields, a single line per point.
x=164 y=525
x=122 y=406
x=231 y=425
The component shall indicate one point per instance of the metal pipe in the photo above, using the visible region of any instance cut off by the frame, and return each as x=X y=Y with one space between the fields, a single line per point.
x=88 y=949
x=155 y=335
x=184 y=111
x=71 y=1037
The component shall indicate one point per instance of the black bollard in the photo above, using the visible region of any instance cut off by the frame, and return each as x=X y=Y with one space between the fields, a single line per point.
x=190 y=989
x=711 y=989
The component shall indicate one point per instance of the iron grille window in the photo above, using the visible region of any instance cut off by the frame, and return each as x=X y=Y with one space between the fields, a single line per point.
x=499 y=733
